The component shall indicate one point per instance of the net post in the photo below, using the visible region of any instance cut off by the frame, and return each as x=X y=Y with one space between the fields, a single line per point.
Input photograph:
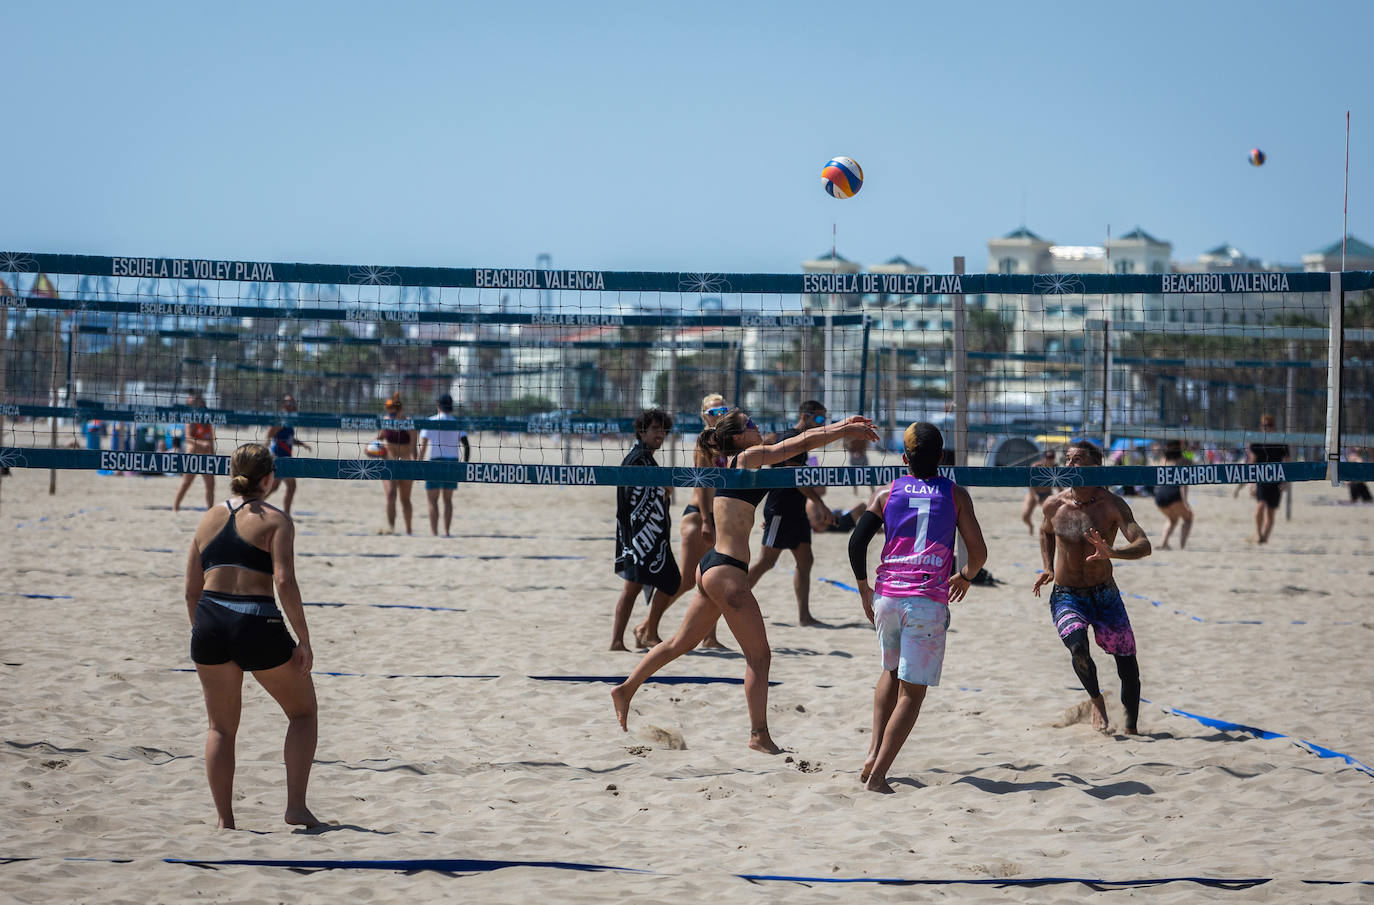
x=960 y=395
x=52 y=394
x=1333 y=379
x=960 y=372
x=1107 y=387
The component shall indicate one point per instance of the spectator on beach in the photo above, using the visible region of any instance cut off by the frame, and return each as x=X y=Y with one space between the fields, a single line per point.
x=1036 y=495
x=239 y=555
x=643 y=547
x=447 y=446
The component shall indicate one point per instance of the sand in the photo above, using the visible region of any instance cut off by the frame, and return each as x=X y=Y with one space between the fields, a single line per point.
x=437 y=743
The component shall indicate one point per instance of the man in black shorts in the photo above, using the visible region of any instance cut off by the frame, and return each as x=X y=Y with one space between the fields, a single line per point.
x=1267 y=496
x=786 y=525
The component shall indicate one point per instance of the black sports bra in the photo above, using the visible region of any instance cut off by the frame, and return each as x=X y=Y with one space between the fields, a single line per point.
x=752 y=496
x=228 y=548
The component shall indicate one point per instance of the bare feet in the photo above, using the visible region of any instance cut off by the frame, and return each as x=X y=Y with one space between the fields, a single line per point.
x=622 y=706
x=711 y=642
x=644 y=638
x=1164 y=547
x=302 y=817
x=1133 y=730
x=809 y=621
x=227 y=824
x=1100 y=721
x=879 y=784
x=760 y=740
x=618 y=645
x=867 y=770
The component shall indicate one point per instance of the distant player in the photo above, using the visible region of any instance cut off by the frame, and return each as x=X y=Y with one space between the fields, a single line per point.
x=443 y=446
x=282 y=442
x=1036 y=496
x=200 y=440
x=643 y=545
x=788 y=517
x=1172 y=500
x=1267 y=495
x=910 y=603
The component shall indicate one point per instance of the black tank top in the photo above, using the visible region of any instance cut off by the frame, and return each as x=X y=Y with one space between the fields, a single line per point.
x=751 y=496
x=228 y=548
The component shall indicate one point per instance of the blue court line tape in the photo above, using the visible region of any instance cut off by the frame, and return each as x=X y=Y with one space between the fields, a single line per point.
x=360 y=675
x=1303 y=743
x=477 y=556
x=839 y=584
x=389 y=606
x=41 y=596
x=613 y=680
x=655 y=680
x=480 y=865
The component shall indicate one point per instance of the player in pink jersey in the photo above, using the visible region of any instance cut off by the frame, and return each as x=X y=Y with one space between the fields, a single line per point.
x=914 y=587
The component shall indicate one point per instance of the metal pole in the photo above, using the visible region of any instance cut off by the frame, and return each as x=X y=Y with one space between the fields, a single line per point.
x=52 y=394
x=960 y=373
x=892 y=392
x=4 y=366
x=1334 y=379
x=960 y=394
x=1107 y=385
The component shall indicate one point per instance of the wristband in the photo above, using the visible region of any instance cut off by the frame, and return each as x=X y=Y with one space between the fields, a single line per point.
x=960 y=573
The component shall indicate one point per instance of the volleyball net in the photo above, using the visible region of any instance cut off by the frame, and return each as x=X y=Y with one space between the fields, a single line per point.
x=118 y=364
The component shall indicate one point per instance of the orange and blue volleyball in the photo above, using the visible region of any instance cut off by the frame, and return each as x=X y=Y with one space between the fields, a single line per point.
x=842 y=177
x=1256 y=157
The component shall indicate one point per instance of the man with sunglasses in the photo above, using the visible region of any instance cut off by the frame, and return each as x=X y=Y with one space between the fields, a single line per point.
x=788 y=515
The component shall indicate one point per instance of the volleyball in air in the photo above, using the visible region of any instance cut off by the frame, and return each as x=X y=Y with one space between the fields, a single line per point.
x=1256 y=157
x=376 y=449
x=842 y=177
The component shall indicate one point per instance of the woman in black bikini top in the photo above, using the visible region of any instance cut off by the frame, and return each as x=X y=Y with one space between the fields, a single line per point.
x=725 y=591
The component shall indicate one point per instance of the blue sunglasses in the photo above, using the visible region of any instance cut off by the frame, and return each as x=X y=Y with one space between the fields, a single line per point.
x=718 y=410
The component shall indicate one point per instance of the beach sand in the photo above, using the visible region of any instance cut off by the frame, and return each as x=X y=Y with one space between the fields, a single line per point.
x=437 y=742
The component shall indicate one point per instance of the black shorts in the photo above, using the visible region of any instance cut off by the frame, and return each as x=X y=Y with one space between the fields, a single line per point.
x=1269 y=494
x=786 y=531
x=692 y=509
x=251 y=641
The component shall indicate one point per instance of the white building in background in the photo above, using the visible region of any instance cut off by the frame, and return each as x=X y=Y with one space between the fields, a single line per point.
x=1358 y=256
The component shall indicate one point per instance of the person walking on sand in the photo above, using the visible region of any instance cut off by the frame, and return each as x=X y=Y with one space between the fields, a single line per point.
x=643 y=547
x=200 y=441
x=282 y=442
x=909 y=603
x=241 y=551
x=1267 y=495
x=1080 y=526
x=723 y=576
x=447 y=445
x=400 y=444
x=696 y=533
x=1172 y=500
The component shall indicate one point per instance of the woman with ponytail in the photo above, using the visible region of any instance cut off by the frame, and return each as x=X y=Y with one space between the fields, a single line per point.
x=723 y=575
x=241 y=552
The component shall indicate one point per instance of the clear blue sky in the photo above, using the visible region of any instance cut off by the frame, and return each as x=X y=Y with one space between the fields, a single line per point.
x=677 y=137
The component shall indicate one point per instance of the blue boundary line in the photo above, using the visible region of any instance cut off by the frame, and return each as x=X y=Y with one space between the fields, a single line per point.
x=482 y=865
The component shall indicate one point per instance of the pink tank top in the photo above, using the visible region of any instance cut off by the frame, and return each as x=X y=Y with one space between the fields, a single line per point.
x=919 y=521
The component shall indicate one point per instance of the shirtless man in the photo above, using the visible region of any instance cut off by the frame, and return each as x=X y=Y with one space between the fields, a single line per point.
x=1077 y=535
